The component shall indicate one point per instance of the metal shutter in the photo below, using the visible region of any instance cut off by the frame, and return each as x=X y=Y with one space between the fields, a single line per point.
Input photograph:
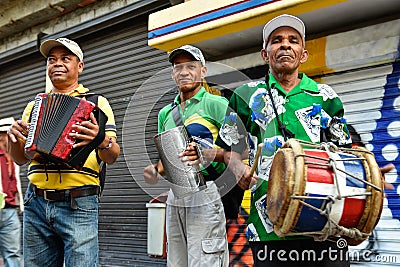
x=370 y=97
x=117 y=63
x=20 y=81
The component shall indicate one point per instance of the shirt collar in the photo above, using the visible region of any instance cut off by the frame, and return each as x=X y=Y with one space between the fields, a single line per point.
x=306 y=84
x=198 y=96
x=79 y=91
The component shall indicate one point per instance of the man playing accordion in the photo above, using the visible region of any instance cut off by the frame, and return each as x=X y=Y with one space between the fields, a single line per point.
x=61 y=202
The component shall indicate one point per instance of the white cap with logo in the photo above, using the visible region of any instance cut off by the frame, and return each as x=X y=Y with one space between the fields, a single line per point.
x=194 y=51
x=6 y=123
x=72 y=46
x=282 y=21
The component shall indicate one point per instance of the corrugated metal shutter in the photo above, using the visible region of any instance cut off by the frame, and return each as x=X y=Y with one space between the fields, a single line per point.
x=20 y=81
x=370 y=97
x=117 y=63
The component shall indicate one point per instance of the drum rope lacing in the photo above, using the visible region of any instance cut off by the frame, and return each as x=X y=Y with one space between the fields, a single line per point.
x=332 y=228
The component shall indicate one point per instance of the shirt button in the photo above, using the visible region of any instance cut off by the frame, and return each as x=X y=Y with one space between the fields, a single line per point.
x=287 y=100
x=286 y=123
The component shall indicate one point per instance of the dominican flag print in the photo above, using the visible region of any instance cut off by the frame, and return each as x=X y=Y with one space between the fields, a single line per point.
x=320 y=183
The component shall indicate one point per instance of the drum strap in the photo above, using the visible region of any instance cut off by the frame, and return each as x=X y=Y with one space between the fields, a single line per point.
x=175 y=114
x=286 y=133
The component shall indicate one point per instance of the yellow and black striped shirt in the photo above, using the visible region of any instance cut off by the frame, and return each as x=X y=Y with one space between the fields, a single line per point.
x=59 y=177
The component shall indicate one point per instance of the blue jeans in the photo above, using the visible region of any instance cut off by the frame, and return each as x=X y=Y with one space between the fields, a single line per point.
x=53 y=232
x=10 y=237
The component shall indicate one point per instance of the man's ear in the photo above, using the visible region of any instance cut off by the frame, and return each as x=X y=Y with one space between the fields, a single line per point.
x=172 y=74
x=203 y=72
x=264 y=55
x=80 y=67
x=304 y=56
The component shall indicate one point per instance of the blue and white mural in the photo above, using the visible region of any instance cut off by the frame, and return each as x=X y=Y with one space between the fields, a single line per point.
x=386 y=137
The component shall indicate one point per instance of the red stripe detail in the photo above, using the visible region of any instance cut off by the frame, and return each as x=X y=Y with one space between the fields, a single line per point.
x=317 y=173
x=352 y=211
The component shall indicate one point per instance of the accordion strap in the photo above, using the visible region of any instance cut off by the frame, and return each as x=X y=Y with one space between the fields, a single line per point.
x=92 y=97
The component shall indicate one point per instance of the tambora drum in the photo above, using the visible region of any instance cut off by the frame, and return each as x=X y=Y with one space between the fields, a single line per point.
x=184 y=179
x=324 y=192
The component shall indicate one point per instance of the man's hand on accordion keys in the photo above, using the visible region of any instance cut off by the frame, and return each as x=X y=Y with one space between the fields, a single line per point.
x=85 y=132
x=18 y=130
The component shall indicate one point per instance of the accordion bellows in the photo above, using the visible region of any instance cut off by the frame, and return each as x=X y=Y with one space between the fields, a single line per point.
x=51 y=123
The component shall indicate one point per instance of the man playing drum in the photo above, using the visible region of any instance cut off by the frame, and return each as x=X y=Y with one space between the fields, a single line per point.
x=287 y=104
x=195 y=222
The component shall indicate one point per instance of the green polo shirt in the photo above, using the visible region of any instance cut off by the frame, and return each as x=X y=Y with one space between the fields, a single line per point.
x=258 y=123
x=202 y=116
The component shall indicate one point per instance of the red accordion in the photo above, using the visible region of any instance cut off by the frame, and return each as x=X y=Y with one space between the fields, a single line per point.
x=51 y=122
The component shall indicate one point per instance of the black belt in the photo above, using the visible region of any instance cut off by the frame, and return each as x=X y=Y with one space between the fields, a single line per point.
x=8 y=206
x=65 y=195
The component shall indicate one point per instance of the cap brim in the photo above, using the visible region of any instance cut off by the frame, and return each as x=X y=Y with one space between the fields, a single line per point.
x=46 y=46
x=177 y=52
x=6 y=123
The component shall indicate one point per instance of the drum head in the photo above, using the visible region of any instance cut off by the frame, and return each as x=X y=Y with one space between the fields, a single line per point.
x=280 y=185
x=286 y=180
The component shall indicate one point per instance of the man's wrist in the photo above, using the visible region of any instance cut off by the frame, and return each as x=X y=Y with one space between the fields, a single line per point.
x=109 y=145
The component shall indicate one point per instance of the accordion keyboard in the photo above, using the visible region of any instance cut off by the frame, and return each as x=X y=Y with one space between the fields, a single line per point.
x=33 y=122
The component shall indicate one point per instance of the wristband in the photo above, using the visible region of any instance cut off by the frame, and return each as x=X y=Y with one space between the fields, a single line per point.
x=110 y=141
x=155 y=167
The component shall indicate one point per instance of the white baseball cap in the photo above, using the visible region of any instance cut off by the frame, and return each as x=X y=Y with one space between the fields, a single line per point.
x=6 y=123
x=194 y=51
x=282 y=21
x=72 y=46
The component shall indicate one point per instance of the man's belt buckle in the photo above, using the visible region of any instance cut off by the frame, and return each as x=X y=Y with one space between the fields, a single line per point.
x=45 y=194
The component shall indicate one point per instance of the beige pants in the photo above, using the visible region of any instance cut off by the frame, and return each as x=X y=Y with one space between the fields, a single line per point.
x=196 y=231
